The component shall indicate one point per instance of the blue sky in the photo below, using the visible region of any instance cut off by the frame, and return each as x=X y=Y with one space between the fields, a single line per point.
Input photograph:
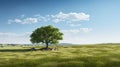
x=81 y=21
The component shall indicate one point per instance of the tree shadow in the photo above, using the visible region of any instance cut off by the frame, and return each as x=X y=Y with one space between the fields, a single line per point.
x=27 y=50
x=15 y=50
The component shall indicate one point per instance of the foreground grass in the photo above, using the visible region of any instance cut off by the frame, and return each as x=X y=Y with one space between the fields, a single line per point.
x=69 y=56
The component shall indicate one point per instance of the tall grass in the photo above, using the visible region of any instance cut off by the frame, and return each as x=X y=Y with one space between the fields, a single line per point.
x=70 y=56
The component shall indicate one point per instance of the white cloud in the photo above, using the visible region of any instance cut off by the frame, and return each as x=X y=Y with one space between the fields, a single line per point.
x=86 y=30
x=80 y=30
x=13 y=38
x=60 y=17
x=29 y=20
x=75 y=25
x=73 y=36
x=18 y=20
x=71 y=31
x=69 y=17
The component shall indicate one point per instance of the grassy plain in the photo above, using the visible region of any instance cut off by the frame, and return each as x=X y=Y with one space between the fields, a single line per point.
x=64 y=56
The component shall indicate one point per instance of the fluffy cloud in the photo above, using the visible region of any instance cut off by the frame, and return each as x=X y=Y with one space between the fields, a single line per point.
x=24 y=21
x=60 y=17
x=69 y=17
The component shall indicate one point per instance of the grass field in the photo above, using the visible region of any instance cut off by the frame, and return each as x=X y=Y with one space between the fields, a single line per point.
x=66 y=56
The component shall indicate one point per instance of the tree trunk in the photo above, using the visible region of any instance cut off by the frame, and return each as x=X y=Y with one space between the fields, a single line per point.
x=46 y=45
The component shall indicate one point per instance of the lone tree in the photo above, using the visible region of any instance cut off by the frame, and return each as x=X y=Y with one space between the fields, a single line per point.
x=47 y=35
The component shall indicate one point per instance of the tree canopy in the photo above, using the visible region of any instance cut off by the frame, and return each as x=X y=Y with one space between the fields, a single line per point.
x=46 y=34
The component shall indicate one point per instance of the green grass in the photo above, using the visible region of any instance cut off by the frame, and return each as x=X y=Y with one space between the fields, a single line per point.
x=68 y=56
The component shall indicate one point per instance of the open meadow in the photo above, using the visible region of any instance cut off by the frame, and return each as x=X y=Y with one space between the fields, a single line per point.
x=64 y=56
